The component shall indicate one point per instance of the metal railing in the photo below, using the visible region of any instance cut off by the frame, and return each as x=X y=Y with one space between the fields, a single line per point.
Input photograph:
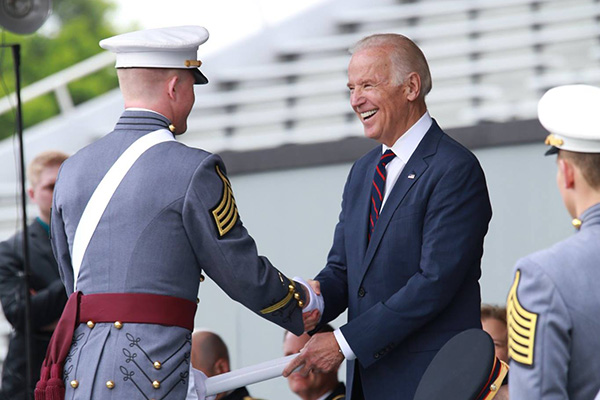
x=58 y=83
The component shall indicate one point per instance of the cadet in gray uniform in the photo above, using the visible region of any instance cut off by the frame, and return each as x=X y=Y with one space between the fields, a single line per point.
x=554 y=303
x=171 y=217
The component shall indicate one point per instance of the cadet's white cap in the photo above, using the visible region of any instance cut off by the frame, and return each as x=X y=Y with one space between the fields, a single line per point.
x=174 y=47
x=569 y=113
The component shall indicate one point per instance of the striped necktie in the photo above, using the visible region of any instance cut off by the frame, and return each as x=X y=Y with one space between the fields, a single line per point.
x=378 y=189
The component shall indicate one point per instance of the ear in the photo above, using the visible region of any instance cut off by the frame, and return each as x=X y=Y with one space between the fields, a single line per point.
x=221 y=366
x=30 y=194
x=171 y=85
x=412 y=86
x=567 y=169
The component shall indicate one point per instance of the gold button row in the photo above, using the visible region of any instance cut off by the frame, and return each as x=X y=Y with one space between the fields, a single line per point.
x=292 y=289
x=111 y=384
x=92 y=324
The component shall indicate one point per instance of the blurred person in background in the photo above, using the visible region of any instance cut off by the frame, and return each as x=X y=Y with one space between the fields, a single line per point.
x=493 y=321
x=48 y=295
x=210 y=355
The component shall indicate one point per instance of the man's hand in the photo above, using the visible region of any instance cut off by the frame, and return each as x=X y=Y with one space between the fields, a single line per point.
x=315 y=285
x=311 y=319
x=320 y=354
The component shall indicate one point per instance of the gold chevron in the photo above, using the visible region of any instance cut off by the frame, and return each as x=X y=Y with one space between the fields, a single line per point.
x=225 y=213
x=521 y=327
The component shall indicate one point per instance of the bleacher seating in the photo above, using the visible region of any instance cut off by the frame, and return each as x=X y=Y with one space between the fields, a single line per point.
x=490 y=60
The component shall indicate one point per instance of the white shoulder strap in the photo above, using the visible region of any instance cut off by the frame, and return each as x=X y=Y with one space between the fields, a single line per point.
x=104 y=192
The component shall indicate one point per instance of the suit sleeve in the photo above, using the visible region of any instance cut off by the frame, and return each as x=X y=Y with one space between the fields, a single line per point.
x=228 y=254
x=46 y=304
x=454 y=225
x=540 y=356
x=334 y=277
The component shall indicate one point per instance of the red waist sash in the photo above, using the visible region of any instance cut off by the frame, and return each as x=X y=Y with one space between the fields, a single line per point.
x=140 y=308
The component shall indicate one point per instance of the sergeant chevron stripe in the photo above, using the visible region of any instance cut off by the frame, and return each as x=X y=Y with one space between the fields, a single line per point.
x=521 y=327
x=226 y=213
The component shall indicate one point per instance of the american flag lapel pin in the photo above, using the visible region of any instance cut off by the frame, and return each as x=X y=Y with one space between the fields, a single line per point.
x=411 y=176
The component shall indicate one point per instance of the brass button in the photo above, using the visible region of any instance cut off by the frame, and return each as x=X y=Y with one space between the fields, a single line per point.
x=291 y=287
x=118 y=324
x=493 y=388
x=91 y=324
x=297 y=296
x=156 y=384
x=110 y=384
x=157 y=365
x=300 y=303
x=74 y=384
x=172 y=128
x=576 y=223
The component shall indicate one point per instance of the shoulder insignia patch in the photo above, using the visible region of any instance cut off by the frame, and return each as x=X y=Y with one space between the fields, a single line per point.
x=521 y=327
x=225 y=213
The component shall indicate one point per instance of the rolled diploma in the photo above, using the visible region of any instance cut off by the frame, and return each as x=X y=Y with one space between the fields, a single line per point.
x=247 y=376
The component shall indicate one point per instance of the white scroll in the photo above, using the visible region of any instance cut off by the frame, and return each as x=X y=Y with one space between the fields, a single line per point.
x=207 y=387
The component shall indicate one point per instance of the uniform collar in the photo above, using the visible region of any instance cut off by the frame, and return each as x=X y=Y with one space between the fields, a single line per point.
x=591 y=216
x=139 y=119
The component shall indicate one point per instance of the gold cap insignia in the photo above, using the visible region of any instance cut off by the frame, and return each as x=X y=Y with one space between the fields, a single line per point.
x=552 y=140
x=521 y=327
x=193 y=63
x=225 y=213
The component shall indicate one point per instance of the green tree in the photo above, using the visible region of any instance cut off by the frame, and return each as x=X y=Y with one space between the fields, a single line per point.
x=70 y=35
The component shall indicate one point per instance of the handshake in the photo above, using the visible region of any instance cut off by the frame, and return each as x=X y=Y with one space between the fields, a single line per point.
x=313 y=309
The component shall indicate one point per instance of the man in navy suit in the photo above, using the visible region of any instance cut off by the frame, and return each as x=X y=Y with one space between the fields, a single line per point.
x=407 y=249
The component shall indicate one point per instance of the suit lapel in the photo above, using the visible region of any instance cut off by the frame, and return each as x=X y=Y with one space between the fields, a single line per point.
x=363 y=202
x=416 y=167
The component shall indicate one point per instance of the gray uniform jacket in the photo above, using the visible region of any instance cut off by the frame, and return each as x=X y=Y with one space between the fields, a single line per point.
x=163 y=226
x=553 y=316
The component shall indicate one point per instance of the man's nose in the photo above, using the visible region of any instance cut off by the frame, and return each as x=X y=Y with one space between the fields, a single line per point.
x=356 y=98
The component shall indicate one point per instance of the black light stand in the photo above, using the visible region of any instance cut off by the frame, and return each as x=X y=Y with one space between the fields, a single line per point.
x=16 y=52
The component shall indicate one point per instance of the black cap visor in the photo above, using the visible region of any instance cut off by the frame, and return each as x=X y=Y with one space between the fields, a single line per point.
x=199 y=76
x=552 y=150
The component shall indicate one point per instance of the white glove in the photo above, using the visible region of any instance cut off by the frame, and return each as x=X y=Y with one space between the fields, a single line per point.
x=315 y=302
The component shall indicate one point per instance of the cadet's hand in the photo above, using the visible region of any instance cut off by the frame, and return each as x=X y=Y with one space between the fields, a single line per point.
x=315 y=285
x=320 y=354
x=311 y=319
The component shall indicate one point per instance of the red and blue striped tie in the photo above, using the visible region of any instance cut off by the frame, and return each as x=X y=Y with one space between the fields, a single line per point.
x=378 y=189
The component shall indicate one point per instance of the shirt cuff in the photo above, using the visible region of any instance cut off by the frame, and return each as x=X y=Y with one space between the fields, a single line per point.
x=344 y=346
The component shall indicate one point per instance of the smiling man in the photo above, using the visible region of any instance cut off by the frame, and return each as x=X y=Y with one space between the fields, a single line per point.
x=407 y=249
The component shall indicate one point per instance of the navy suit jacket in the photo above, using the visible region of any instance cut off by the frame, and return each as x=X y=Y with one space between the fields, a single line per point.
x=415 y=284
